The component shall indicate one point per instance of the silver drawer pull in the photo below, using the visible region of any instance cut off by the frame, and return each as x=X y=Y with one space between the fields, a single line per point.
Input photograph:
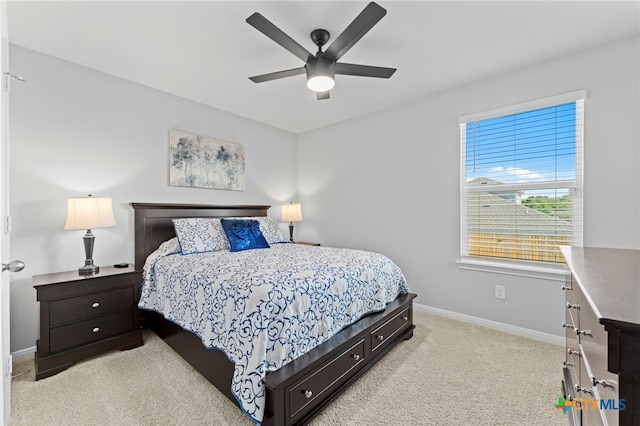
x=95 y=305
x=573 y=306
x=584 y=332
x=567 y=364
x=572 y=352
x=603 y=383
x=585 y=390
x=356 y=357
x=564 y=287
x=406 y=318
x=380 y=337
x=96 y=329
x=565 y=325
x=307 y=393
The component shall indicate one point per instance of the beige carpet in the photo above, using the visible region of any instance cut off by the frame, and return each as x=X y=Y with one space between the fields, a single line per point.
x=449 y=373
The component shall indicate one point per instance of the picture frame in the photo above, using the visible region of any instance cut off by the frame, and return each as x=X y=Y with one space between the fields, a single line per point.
x=198 y=161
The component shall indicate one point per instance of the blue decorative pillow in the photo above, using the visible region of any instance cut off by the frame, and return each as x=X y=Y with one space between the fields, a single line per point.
x=244 y=234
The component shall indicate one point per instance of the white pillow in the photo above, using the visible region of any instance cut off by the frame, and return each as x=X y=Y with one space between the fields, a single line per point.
x=270 y=229
x=200 y=235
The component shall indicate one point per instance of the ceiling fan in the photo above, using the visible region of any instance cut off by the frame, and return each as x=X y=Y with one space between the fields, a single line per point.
x=322 y=67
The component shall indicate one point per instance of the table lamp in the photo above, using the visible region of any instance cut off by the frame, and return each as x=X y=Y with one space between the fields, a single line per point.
x=291 y=212
x=89 y=213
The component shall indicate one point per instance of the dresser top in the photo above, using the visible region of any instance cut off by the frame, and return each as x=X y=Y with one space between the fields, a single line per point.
x=610 y=279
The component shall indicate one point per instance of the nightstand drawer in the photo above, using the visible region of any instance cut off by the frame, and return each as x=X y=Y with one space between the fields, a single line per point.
x=90 y=330
x=90 y=305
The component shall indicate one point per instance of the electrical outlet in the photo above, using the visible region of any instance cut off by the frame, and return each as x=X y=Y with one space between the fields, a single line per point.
x=501 y=292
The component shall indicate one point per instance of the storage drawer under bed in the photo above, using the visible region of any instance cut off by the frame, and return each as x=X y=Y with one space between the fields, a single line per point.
x=383 y=334
x=311 y=388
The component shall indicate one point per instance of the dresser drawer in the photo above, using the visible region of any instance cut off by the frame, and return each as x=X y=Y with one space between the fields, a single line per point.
x=389 y=329
x=90 y=305
x=90 y=330
x=573 y=360
x=310 y=390
x=593 y=339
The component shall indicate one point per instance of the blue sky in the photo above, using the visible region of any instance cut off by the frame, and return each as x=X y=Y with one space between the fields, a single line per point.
x=534 y=146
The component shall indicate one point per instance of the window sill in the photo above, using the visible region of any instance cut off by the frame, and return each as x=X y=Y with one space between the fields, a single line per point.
x=520 y=269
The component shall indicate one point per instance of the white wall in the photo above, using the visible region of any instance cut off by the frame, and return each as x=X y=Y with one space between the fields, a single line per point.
x=389 y=182
x=76 y=131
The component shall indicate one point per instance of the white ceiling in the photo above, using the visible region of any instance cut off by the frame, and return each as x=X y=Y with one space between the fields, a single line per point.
x=204 y=50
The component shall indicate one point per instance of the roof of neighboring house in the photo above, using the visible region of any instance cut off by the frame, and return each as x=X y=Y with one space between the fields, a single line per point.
x=487 y=212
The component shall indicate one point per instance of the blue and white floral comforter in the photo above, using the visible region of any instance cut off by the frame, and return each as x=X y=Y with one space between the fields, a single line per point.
x=266 y=307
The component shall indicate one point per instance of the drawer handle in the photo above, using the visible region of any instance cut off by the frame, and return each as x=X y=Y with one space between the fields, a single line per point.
x=356 y=357
x=567 y=364
x=565 y=325
x=95 y=305
x=573 y=306
x=572 y=352
x=380 y=337
x=603 y=383
x=406 y=318
x=583 y=332
x=585 y=390
x=96 y=329
x=564 y=288
x=307 y=393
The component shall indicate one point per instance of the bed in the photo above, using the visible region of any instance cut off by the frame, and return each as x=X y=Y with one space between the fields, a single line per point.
x=298 y=390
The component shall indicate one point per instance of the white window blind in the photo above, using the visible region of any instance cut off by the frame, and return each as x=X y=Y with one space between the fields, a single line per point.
x=521 y=180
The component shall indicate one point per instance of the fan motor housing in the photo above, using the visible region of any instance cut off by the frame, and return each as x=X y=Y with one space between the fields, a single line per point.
x=320 y=66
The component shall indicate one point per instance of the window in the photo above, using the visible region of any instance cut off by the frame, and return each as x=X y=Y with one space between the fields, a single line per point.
x=521 y=181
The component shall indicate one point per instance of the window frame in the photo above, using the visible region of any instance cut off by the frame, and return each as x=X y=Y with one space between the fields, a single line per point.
x=544 y=270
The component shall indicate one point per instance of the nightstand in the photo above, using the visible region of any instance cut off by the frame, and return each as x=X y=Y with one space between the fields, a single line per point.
x=304 y=243
x=85 y=315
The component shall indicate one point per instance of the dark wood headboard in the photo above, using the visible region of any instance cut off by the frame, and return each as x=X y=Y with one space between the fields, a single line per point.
x=153 y=225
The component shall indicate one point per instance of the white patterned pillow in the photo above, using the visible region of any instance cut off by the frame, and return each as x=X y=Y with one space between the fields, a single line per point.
x=200 y=235
x=270 y=229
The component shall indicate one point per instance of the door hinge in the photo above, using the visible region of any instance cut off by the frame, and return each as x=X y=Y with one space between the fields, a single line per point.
x=7 y=80
x=9 y=366
x=7 y=225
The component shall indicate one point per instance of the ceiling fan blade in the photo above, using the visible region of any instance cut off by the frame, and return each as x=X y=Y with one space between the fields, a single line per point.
x=356 y=29
x=267 y=28
x=364 y=70
x=322 y=95
x=276 y=75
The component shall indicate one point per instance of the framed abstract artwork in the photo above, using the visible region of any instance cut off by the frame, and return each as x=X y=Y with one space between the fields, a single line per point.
x=198 y=161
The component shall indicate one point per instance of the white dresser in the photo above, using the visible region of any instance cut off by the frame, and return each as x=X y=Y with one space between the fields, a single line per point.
x=602 y=336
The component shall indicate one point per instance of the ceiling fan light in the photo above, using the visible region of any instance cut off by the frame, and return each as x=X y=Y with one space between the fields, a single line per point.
x=320 y=83
x=320 y=74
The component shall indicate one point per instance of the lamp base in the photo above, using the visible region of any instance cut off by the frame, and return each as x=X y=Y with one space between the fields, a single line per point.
x=88 y=269
x=291 y=231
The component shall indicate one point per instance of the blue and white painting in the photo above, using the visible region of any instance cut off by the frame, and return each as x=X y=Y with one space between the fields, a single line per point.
x=203 y=162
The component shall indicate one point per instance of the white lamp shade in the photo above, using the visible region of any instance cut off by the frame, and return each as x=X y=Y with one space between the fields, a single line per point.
x=291 y=212
x=89 y=213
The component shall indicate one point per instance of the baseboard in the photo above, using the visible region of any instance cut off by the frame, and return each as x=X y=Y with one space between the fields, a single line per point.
x=23 y=353
x=520 y=331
